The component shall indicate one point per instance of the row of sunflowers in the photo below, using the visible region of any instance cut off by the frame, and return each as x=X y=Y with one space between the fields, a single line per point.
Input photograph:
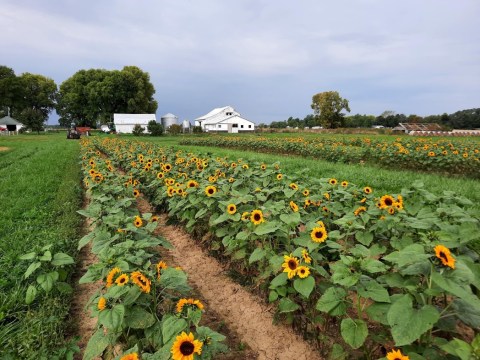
x=455 y=156
x=393 y=275
x=142 y=305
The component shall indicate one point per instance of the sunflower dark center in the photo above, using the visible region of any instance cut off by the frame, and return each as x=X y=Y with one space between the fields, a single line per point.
x=187 y=348
x=443 y=256
x=256 y=217
x=292 y=264
x=232 y=208
x=388 y=202
x=210 y=191
x=318 y=234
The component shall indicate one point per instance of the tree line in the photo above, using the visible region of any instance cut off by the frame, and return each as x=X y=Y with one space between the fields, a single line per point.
x=328 y=113
x=86 y=98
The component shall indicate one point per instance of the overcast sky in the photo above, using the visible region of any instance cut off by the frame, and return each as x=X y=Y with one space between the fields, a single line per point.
x=266 y=58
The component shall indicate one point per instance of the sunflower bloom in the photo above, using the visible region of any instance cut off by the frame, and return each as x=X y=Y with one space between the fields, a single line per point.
x=102 y=303
x=231 y=209
x=132 y=356
x=160 y=266
x=279 y=176
x=210 y=190
x=154 y=218
x=245 y=215
x=189 y=302
x=122 y=280
x=141 y=281
x=138 y=221
x=290 y=265
x=386 y=201
x=136 y=193
x=257 y=217
x=319 y=234
x=293 y=206
x=185 y=346
x=306 y=192
x=443 y=253
x=359 y=210
x=396 y=355
x=333 y=181
x=111 y=276
x=293 y=186
x=367 y=190
x=303 y=272
x=306 y=257
x=344 y=183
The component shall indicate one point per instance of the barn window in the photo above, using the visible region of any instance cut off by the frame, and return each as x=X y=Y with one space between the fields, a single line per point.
x=249 y=126
x=241 y=126
x=235 y=125
x=219 y=126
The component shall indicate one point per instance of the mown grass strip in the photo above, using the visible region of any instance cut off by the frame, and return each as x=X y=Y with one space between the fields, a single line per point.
x=40 y=193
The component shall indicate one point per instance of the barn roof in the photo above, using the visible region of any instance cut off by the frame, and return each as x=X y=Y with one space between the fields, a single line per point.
x=418 y=127
x=214 y=112
x=8 y=120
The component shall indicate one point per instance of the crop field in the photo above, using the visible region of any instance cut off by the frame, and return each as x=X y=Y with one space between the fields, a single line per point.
x=361 y=261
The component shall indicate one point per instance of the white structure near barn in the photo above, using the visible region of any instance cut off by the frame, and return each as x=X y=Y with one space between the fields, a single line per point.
x=124 y=123
x=224 y=119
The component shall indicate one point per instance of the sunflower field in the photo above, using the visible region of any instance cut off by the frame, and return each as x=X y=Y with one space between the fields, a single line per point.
x=453 y=156
x=361 y=274
x=142 y=304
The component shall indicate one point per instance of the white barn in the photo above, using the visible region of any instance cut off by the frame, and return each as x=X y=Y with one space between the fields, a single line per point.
x=224 y=119
x=124 y=123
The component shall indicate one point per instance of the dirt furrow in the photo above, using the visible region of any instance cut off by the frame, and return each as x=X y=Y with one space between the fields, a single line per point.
x=242 y=312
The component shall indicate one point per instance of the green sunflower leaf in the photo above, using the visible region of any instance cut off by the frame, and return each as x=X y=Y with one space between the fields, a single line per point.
x=112 y=318
x=266 y=228
x=354 y=332
x=171 y=327
x=333 y=301
x=304 y=286
x=286 y=305
x=138 y=318
x=257 y=255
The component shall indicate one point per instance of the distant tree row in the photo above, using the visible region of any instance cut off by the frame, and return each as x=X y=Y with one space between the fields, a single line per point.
x=86 y=98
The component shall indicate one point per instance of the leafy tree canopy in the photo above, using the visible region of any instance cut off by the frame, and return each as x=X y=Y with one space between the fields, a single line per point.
x=327 y=107
x=94 y=95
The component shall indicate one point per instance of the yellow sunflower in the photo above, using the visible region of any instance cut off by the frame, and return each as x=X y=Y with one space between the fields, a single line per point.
x=443 y=253
x=290 y=265
x=231 y=209
x=303 y=272
x=263 y=166
x=367 y=190
x=293 y=186
x=319 y=234
x=279 y=176
x=141 y=281
x=160 y=175
x=188 y=302
x=210 y=190
x=136 y=193
x=293 y=206
x=111 y=276
x=132 y=356
x=185 y=346
x=138 y=221
x=192 y=184
x=102 y=303
x=245 y=215
x=396 y=355
x=154 y=218
x=257 y=217
x=344 y=183
x=386 y=201
x=333 y=181
x=306 y=257
x=359 y=210
x=306 y=192
x=122 y=280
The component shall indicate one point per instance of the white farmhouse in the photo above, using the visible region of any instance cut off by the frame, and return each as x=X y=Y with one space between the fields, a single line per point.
x=124 y=123
x=224 y=119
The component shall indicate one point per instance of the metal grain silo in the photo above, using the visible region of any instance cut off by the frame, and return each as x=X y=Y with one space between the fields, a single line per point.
x=168 y=120
x=186 y=126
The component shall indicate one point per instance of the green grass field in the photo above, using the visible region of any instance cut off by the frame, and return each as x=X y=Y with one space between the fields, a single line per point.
x=40 y=193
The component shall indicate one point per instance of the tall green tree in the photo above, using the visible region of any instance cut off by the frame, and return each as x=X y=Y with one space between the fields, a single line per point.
x=327 y=107
x=10 y=91
x=39 y=95
x=94 y=95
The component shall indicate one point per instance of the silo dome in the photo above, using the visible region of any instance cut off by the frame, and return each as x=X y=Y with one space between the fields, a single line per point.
x=168 y=120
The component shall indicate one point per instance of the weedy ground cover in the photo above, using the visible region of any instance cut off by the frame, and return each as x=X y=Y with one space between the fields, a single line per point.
x=374 y=272
x=39 y=197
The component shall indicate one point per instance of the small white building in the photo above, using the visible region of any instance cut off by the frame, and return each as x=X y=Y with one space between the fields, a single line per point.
x=124 y=123
x=224 y=119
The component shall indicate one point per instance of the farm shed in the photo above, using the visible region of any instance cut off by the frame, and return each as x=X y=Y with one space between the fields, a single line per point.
x=408 y=128
x=10 y=124
x=224 y=119
x=124 y=123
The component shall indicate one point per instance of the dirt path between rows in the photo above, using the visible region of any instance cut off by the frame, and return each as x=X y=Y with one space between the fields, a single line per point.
x=244 y=313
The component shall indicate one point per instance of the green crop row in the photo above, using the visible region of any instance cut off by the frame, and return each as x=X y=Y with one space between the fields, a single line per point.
x=345 y=264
